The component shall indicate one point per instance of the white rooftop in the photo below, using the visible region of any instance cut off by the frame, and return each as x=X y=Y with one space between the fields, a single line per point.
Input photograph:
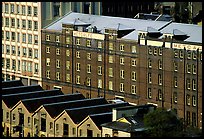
x=120 y=23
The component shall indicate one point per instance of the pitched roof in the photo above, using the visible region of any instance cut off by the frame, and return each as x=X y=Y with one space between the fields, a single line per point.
x=12 y=99
x=12 y=83
x=55 y=109
x=20 y=89
x=33 y=104
x=78 y=114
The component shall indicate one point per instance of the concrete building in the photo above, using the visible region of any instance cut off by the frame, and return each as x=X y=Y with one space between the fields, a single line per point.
x=21 y=35
x=140 y=61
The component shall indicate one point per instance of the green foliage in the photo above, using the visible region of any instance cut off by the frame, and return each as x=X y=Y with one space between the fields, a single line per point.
x=163 y=123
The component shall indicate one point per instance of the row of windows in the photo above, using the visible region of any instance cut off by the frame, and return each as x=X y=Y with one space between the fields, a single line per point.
x=20 y=37
x=190 y=54
x=189 y=120
x=155 y=51
x=15 y=65
x=19 y=9
x=18 y=23
x=159 y=64
x=25 y=52
x=149 y=78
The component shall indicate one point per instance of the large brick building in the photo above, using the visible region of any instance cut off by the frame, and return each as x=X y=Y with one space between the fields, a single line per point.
x=136 y=60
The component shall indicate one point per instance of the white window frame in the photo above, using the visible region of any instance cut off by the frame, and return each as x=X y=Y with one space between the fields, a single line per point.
x=110 y=85
x=122 y=87
x=122 y=74
x=122 y=60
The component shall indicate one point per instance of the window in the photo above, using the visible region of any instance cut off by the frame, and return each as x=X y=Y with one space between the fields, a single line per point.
x=7 y=35
x=12 y=8
x=155 y=51
x=110 y=85
x=134 y=76
x=149 y=63
x=18 y=9
x=122 y=61
x=23 y=24
x=99 y=57
x=24 y=38
x=29 y=10
x=194 y=84
x=57 y=127
x=188 y=117
x=175 y=66
x=110 y=59
x=74 y=131
x=89 y=56
x=47 y=49
x=68 y=65
x=133 y=89
x=149 y=78
x=48 y=74
x=14 y=117
x=68 y=79
x=35 y=11
x=2 y=34
x=88 y=81
x=160 y=64
x=99 y=83
x=6 y=8
x=121 y=87
x=189 y=54
x=23 y=10
x=8 y=63
x=194 y=101
x=56 y=8
x=150 y=50
x=58 y=76
x=13 y=64
x=122 y=47
x=28 y=120
x=18 y=23
x=77 y=79
x=194 y=69
x=188 y=100
x=24 y=51
x=18 y=37
x=110 y=72
x=19 y=65
x=188 y=84
x=47 y=37
x=67 y=40
x=29 y=24
x=13 y=50
x=36 y=53
x=57 y=51
x=29 y=66
x=78 y=41
x=8 y=49
x=35 y=25
x=51 y=125
x=36 y=68
x=99 y=70
x=181 y=54
x=175 y=82
x=194 y=119
x=77 y=66
x=7 y=22
x=57 y=38
x=23 y=65
x=134 y=62
x=12 y=22
x=88 y=43
x=99 y=44
x=77 y=54
x=35 y=39
x=29 y=38
x=48 y=61
x=58 y=63
x=88 y=68
x=67 y=52
x=19 y=51
x=159 y=79
x=2 y=48
x=188 y=68
x=80 y=132
x=175 y=53
x=149 y=93
x=175 y=97
x=160 y=51
x=134 y=49
x=110 y=46
x=200 y=56
x=13 y=36
x=30 y=52
x=160 y=94
x=122 y=74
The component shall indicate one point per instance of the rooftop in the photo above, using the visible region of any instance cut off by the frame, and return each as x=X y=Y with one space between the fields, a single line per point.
x=12 y=83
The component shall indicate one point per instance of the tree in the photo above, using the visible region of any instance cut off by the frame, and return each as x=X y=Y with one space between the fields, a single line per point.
x=163 y=123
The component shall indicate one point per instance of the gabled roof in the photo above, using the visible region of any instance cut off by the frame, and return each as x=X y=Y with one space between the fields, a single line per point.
x=78 y=114
x=12 y=99
x=54 y=109
x=20 y=89
x=33 y=104
x=12 y=83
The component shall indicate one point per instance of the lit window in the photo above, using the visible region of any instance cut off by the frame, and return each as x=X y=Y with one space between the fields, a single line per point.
x=77 y=79
x=67 y=52
x=57 y=51
x=88 y=68
x=57 y=38
x=160 y=64
x=89 y=56
x=149 y=78
x=77 y=54
x=68 y=65
x=88 y=43
x=110 y=46
x=175 y=99
x=121 y=87
x=122 y=47
x=68 y=77
x=122 y=74
x=110 y=72
x=122 y=61
x=110 y=36
x=134 y=76
x=67 y=40
x=159 y=79
x=134 y=49
x=149 y=63
x=110 y=59
x=149 y=93
x=133 y=89
x=188 y=100
x=48 y=61
x=110 y=85
x=99 y=44
x=194 y=84
x=48 y=74
x=58 y=63
x=58 y=75
x=47 y=37
x=77 y=66
x=134 y=62
x=194 y=100
x=99 y=83
x=47 y=49
x=99 y=70
x=99 y=57
x=78 y=41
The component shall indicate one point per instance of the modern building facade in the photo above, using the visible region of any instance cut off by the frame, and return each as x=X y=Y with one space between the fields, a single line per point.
x=21 y=34
x=136 y=60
